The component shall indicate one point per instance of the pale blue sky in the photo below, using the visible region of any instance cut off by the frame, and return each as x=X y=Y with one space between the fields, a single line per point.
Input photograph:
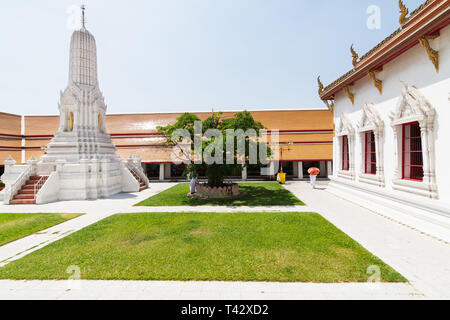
x=187 y=55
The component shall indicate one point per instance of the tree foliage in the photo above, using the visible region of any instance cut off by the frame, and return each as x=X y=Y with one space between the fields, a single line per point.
x=217 y=172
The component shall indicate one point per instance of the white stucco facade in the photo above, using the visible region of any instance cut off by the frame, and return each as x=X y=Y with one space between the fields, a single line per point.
x=413 y=91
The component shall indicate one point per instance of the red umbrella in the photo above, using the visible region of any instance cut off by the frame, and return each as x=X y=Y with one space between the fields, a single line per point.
x=314 y=171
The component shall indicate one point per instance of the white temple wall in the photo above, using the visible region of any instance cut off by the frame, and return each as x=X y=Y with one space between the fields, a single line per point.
x=415 y=69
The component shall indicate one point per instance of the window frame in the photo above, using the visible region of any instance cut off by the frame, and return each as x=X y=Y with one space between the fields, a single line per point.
x=345 y=154
x=404 y=152
x=373 y=143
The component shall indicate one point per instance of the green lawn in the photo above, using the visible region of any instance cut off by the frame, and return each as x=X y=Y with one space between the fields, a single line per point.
x=16 y=226
x=286 y=247
x=256 y=194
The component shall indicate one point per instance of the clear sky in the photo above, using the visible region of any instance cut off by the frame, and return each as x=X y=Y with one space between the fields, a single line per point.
x=188 y=55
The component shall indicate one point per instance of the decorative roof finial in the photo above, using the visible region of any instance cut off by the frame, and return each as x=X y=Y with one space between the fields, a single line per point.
x=404 y=12
x=355 y=56
x=321 y=87
x=83 y=21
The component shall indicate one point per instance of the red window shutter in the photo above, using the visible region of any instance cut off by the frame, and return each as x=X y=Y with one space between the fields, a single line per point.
x=370 y=153
x=345 y=154
x=412 y=156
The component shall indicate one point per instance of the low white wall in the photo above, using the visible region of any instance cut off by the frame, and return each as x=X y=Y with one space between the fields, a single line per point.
x=50 y=190
x=129 y=182
x=91 y=179
x=12 y=173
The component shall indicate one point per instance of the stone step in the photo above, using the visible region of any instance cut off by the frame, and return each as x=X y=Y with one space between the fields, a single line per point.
x=26 y=191
x=28 y=201
x=28 y=187
x=24 y=197
x=33 y=182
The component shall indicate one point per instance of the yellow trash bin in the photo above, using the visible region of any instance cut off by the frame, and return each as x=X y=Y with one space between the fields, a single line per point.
x=281 y=178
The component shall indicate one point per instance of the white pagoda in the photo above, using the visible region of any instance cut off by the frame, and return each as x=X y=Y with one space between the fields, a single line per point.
x=81 y=161
x=82 y=109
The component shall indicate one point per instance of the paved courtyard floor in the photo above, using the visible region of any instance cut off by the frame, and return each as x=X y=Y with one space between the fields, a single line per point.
x=171 y=290
x=419 y=256
x=408 y=245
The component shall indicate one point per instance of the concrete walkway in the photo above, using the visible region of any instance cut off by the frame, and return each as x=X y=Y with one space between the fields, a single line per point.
x=170 y=290
x=419 y=257
x=401 y=242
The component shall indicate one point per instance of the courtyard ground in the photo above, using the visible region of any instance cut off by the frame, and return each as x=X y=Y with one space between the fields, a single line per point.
x=398 y=241
x=283 y=247
x=255 y=195
x=16 y=226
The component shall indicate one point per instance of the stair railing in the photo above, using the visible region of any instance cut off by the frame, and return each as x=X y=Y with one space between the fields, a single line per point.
x=39 y=185
x=139 y=174
x=18 y=184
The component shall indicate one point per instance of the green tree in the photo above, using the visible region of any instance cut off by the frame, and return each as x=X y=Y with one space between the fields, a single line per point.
x=240 y=123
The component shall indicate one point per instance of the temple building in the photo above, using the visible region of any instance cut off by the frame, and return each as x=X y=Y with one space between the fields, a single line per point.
x=306 y=140
x=83 y=153
x=390 y=113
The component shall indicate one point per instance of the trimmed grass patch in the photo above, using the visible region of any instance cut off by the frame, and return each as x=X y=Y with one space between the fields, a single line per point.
x=286 y=247
x=16 y=226
x=257 y=194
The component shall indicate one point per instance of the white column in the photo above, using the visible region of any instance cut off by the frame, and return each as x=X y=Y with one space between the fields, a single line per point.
x=330 y=168
x=295 y=169
x=244 y=173
x=425 y=152
x=323 y=167
x=22 y=132
x=161 y=171
x=168 y=171
x=300 y=170
x=398 y=136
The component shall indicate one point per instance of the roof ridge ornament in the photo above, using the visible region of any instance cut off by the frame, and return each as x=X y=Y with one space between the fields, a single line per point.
x=330 y=105
x=355 y=56
x=83 y=20
x=403 y=12
x=321 y=86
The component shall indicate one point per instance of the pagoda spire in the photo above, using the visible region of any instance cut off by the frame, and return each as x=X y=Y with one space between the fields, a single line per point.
x=83 y=20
